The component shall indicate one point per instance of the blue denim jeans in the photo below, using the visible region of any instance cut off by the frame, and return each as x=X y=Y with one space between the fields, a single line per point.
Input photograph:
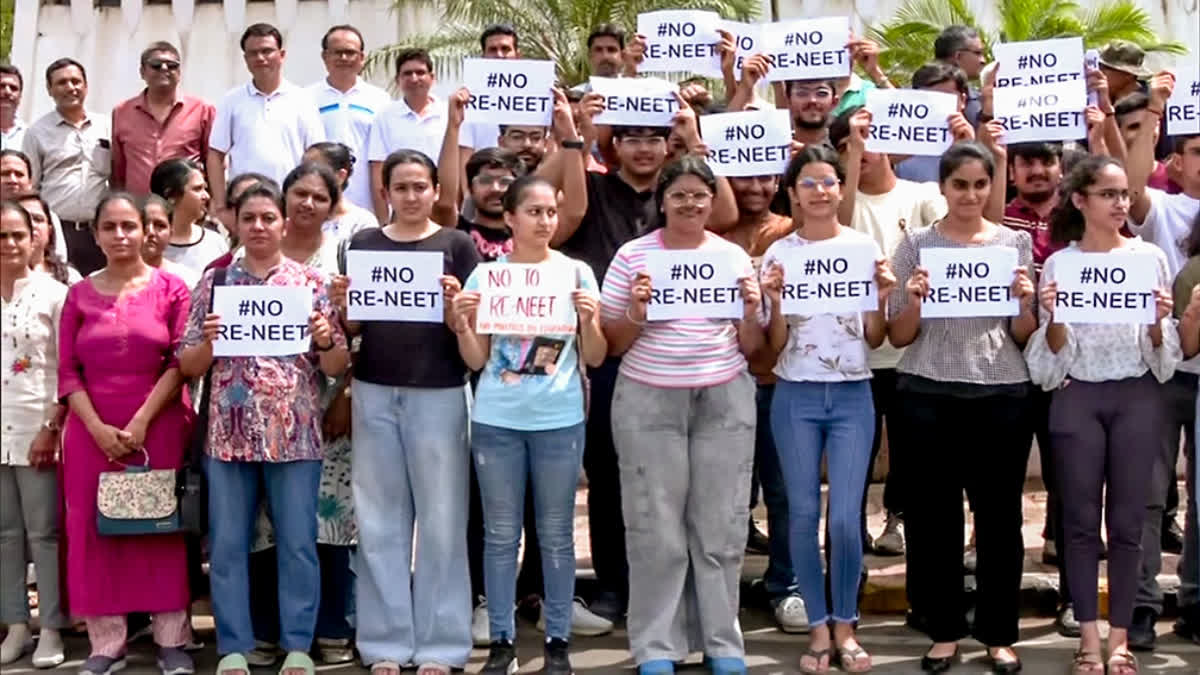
x=335 y=612
x=233 y=498
x=779 y=580
x=836 y=419
x=504 y=460
x=410 y=472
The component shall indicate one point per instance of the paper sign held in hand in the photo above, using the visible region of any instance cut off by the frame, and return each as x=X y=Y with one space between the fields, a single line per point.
x=693 y=285
x=506 y=91
x=1041 y=90
x=518 y=299
x=394 y=286
x=681 y=40
x=807 y=49
x=910 y=122
x=1105 y=288
x=748 y=143
x=829 y=278
x=1183 y=108
x=262 y=320
x=636 y=101
x=970 y=282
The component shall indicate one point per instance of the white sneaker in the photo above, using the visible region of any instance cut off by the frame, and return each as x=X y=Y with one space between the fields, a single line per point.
x=481 y=629
x=584 y=622
x=891 y=540
x=49 y=652
x=791 y=615
x=18 y=641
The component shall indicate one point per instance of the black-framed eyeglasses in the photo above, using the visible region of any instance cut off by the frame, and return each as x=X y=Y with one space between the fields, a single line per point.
x=162 y=64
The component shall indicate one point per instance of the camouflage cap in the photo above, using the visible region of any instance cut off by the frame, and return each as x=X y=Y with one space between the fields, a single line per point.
x=1125 y=57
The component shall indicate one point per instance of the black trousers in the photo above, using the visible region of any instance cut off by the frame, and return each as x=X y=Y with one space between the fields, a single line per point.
x=606 y=523
x=980 y=445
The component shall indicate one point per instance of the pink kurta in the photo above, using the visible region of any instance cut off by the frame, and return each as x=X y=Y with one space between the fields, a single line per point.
x=116 y=351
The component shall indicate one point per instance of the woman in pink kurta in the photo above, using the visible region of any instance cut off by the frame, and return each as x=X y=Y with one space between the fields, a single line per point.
x=118 y=374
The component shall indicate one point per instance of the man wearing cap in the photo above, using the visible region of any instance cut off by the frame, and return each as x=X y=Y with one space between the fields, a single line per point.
x=1121 y=63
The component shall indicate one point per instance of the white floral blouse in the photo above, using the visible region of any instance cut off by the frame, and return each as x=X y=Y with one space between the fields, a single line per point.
x=1104 y=352
x=30 y=362
x=822 y=347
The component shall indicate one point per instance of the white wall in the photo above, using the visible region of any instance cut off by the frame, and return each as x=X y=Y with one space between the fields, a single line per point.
x=108 y=40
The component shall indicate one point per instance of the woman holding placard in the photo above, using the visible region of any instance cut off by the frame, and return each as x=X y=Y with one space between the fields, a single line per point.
x=410 y=455
x=823 y=405
x=963 y=384
x=264 y=440
x=1106 y=406
x=118 y=373
x=683 y=423
x=528 y=424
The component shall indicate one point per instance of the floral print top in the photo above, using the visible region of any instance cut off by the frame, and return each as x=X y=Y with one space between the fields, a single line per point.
x=822 y=347
x=30 y=362
x=265 y=408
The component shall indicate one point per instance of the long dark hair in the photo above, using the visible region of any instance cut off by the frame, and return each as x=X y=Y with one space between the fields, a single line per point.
x=1066 y=221
x=59 y=269
x=688 y=165
x=319 y=170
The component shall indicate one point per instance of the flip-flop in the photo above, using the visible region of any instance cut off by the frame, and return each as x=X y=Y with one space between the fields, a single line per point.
x=818 y=655
x=848 y=658
x=232 y=663
x=298 y=661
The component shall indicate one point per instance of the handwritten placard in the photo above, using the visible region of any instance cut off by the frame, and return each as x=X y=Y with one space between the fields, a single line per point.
x=1105 y=288
x=517 y=299
x=829 y=278
x=507 y=91
x=970 y=282
x=394 y=286
x=693 y=285
x=807 y=49
x=910 y=122
x=681 y=40
x=262 y=320
x=636 y=101
x=1041 y=91
x=748 y=143
x=1183 y=108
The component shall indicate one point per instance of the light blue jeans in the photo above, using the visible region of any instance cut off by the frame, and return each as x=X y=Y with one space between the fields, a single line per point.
x=410 y=472
x=233 y=499
x=552 y=460
x=836 y=419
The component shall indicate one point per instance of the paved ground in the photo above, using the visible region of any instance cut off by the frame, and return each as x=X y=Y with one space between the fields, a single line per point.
x=895 y=648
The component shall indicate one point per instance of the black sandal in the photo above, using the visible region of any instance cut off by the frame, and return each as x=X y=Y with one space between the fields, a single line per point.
x=818 y=655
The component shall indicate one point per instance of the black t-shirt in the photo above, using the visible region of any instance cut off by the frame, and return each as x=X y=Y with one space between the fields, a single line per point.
x=616 y=214
x=410 y=354
x=491 y=243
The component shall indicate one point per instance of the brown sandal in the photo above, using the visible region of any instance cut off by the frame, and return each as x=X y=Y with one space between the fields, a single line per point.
x=819 y=655
x=1122 y=662
x=1087 y=662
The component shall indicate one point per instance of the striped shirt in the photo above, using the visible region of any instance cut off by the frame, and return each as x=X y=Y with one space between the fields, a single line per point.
x=678 y=353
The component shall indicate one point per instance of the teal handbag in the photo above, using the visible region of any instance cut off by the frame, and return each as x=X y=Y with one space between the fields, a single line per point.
x=137 y=501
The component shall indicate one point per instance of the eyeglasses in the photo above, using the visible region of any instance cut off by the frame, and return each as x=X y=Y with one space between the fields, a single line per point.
x=1110 y=195
x=533 y=137
x=682 y=197
x=828 y=182
x=501 y=182
x=346 y=54
x=821 y=94
x=159 y=64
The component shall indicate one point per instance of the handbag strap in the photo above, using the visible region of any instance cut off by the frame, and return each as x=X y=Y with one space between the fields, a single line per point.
x=197 y=449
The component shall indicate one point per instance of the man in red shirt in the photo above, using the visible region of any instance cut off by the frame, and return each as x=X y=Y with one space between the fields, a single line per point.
x=158 y=124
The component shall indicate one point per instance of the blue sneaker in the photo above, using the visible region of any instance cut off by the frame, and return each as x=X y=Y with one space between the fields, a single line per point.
x=729 y=665
x=657 y=667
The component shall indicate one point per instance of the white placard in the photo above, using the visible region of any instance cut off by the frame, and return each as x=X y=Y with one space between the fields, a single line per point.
x=519 y=299
x=262 y=320
x=1183 y=108
x=636 y=101
x=693 y=285
x=394 y=286
x=1041 y=90
x=829 y=278
x=970 y=282
x=681 y=40
x=1105 y=288
x=910 y=122
x=748 y=143
x=747 y=41
x=807 y=49
x=507 y=91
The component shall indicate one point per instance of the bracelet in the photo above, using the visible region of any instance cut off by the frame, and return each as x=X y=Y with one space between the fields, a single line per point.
x=632 y=320
x=571 y=145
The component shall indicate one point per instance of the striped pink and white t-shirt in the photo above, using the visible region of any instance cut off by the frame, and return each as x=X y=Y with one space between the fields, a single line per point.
x=678 y=353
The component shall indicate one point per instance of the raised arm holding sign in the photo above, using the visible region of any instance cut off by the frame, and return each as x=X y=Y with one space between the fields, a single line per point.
x=508 y=91
x=1040 y=90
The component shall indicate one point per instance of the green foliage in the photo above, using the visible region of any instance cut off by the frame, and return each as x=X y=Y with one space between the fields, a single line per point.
x=556 y=30
x=6 y=29
x=907 y=38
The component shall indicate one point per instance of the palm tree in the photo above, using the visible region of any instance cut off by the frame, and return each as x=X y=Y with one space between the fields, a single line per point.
x=907 y=38
x=556 y=30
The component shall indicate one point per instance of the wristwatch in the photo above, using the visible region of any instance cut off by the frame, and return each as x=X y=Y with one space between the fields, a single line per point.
x=572 y=145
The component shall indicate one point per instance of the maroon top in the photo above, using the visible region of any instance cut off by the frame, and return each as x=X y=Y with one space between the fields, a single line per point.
x=1160 y=181
x=139 y=142
x=1019 y=215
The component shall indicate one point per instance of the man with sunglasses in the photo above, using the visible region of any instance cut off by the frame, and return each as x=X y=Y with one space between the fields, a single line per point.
x=961 y=46
x=158 y=124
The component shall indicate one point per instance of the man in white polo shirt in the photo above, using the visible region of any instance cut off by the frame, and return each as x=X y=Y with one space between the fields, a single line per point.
x=347 y=104
x=266 y=124
x=417 y=121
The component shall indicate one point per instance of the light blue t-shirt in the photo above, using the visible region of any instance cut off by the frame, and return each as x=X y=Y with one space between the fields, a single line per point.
x=532 y=383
